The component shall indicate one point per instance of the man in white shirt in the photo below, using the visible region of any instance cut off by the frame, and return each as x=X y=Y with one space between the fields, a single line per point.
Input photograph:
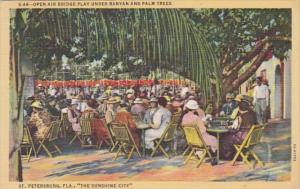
x=261 y=100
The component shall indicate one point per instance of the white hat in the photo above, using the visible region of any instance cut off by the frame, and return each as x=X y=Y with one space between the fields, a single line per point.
x=97 y=85
x=74 y=102
x=192 y=105
x=138 y=101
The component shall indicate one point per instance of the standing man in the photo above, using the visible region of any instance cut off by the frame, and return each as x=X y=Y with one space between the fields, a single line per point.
x=260 y=100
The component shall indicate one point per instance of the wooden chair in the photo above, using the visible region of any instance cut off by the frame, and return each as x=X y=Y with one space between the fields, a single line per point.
x=65 y=125
x=110 y=135
x=50 y=138
x=195 y=142
x=167 y=136
x=105 y=137
x=86 y=132
x=124 y=139
x=246 y=148
x=27 y=143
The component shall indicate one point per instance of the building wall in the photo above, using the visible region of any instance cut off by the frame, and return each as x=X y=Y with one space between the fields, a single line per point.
x=270 y=67
x=287 y=87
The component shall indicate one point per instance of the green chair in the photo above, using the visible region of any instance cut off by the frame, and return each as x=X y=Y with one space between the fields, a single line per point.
x=124 y=140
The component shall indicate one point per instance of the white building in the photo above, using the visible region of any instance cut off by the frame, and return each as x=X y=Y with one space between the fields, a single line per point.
x=278 y=75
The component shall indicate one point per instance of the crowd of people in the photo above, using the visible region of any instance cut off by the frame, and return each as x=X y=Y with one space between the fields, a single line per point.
x=153 y=106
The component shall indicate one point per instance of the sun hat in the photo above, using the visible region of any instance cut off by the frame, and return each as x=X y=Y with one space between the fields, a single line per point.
x=37 y=104
x=177 y=102
x=153 y=99
x=138 y=101
x=192 y=105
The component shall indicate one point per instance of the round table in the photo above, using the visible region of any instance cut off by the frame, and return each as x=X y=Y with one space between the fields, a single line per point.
x=142 y=126
x=218 y=131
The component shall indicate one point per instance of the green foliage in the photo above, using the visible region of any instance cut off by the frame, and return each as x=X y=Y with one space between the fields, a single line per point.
x=161 y=38
x=236 y=31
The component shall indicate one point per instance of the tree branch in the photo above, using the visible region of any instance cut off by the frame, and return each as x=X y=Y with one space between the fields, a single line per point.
x=235 y=67
x=233 y=84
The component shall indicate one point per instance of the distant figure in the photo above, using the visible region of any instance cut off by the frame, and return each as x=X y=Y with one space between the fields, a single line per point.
x=261 y=100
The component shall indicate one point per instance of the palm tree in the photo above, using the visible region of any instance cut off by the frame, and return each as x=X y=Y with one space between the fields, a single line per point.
x=163 y=38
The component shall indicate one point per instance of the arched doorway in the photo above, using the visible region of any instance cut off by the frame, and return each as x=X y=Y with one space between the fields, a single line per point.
x=278 y=93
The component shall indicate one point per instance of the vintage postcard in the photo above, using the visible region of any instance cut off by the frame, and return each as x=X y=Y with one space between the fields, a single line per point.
x=146 y=94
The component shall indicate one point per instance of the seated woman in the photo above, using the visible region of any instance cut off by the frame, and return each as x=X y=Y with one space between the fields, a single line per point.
x=240 y=127
x=73 y=116
x=39 y=122
x=91 y=110
x=123 y=116
x=161 y=120
x=191 y=118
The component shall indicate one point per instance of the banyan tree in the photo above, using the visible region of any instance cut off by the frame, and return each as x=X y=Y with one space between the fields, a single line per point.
x=163 y=38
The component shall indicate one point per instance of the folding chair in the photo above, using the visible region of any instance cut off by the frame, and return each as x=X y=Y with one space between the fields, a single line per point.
x=110 y=135
x=124 y=139
x=86 y=132
x=195 y=143
x=65 y=124
x=105 y=137
x=49 y=139
x=246 y=148
x=167 y=136
x=27 y=143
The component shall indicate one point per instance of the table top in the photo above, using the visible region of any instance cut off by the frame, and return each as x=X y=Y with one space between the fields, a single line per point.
x=217 y=130
x=142 y=126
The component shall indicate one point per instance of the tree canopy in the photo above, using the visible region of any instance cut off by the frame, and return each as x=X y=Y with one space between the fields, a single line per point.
x=242 y=36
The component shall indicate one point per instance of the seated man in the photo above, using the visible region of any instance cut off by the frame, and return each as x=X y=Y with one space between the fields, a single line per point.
x=161 y=120
x=229 y=106
x=241 y=125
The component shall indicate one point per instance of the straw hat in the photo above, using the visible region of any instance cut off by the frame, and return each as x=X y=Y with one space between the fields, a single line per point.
x=138 y=101
x=192 y=105
x=238 y=98
x=37 y=104
x=153 y=99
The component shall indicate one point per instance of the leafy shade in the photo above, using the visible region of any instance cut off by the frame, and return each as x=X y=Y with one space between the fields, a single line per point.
x=163 y=38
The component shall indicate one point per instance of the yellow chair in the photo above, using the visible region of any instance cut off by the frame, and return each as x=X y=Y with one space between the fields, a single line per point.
x=167 y=136
x=195 y=142
x=124 y=139
x=49 y=139
x=65 y=124
x=27 y=143
x=246 y=148
x=110 y=134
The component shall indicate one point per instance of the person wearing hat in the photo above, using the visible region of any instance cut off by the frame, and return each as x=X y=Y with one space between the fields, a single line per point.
x=261 y=100
x=229 y=106
x=239 y=129
x=191 y=118
x=148 y=118
x=90 y=111
x=110 y=114
x=161 y=120
x=123 y=116
x=74 y=115
x=51 y=107
x=138 y=107
x=39 y=121
x=103 y=105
